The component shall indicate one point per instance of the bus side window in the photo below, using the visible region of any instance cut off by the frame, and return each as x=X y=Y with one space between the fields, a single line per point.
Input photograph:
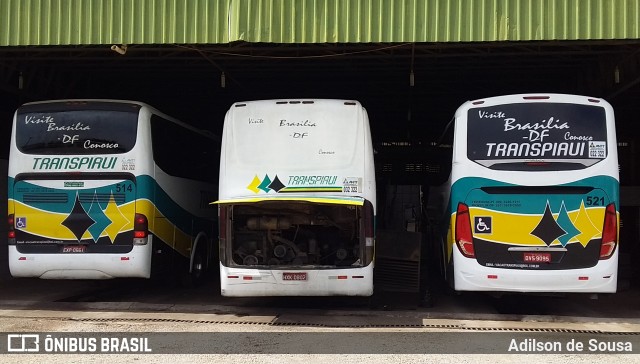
x=177 y=151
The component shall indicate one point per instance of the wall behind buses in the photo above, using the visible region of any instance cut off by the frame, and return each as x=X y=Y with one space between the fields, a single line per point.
x=304 y=147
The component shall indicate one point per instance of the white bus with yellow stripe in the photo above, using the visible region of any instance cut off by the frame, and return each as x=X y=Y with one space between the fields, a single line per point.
x=297 y=199
x=109 y=189
x=534 y=196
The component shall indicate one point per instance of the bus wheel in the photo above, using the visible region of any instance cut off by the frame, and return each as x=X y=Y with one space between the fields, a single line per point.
x=195 y=277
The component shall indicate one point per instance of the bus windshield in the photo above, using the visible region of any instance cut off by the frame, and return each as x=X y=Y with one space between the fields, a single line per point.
x=78 y=132
x=537 y=136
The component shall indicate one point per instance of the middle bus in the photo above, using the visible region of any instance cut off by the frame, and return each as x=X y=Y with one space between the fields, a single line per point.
x=297 y=199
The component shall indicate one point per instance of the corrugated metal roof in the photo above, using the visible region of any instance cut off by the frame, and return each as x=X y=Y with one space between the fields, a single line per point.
x=294 y=21
x=86 y=22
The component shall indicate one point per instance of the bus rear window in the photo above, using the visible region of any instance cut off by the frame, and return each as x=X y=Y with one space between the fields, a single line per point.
x=537 y=136
x=78 y=131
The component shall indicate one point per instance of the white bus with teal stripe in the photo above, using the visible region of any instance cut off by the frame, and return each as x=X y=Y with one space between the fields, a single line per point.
x=103 y=189
x=534 y=196
x=297 y=199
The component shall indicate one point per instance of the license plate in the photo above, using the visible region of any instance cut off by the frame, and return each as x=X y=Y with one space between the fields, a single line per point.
x=537 y=257
x=73 y=249
x=294 y=276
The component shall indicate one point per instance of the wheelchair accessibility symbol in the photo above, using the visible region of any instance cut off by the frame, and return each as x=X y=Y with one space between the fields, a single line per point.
x=482 y=224
x=21 y=222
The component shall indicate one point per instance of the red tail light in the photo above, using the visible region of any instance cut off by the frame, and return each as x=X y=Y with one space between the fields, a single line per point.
x=11 y=231
x=140 y=226
x=464 y=236
x=609 y=232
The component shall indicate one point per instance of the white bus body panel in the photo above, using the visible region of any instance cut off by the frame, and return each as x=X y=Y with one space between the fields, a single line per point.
x=319 y=139
x=320 y=282
x=472 y=276
x=135 y=264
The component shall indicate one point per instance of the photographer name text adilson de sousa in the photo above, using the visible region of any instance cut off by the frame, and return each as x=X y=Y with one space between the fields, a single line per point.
x=573 y=345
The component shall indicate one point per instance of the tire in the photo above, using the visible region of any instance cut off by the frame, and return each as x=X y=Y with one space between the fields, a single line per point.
x=195 y=274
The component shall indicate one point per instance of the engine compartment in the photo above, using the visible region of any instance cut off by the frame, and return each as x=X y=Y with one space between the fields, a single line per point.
x=295 y=233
